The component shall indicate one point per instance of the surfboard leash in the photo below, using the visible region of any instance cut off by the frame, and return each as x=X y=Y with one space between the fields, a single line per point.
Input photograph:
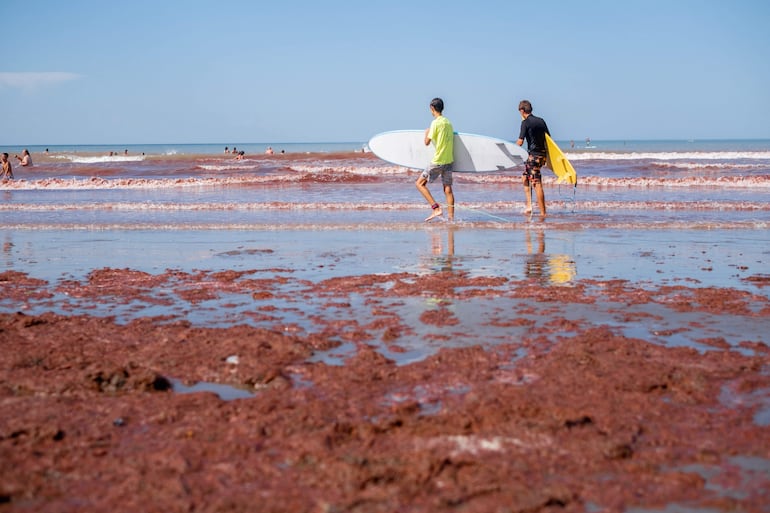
x=567 y=199
x=484 y=213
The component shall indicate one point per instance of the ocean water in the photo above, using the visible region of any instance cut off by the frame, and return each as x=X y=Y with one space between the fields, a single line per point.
x=622 y=184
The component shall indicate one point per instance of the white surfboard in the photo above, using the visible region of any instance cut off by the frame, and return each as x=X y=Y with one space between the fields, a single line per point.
x=472 y=153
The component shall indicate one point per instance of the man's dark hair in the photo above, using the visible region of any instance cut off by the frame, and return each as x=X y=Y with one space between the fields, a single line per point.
x=438 y=104
x=525 y=106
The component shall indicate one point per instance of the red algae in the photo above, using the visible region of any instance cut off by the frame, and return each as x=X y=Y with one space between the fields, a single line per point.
x=568 y=415
x=760 y=280
x=597 y=420
x=20 y=287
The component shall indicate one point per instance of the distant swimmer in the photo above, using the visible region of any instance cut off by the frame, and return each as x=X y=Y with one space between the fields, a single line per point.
x=25 y=160
x=7 y=173
x=533 y=129
x=269 y=150
x=240 y=155
x=441 y=134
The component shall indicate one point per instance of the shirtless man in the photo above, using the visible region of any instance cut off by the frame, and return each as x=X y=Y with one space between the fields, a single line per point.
x=7 y=173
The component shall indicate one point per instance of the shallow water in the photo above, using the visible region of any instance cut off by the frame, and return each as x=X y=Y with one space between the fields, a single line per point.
x=304 y=259
x=653 y=214
x=623 y=185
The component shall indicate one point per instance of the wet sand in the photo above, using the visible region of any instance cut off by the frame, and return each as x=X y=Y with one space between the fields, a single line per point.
x=338 y=384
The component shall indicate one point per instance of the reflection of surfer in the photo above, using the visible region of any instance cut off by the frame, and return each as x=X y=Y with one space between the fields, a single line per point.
x=562 y=269
x=536 y=266
x=443 y=262
x=547 y=269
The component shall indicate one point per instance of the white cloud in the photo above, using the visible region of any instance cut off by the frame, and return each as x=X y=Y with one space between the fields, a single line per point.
x=32 y=80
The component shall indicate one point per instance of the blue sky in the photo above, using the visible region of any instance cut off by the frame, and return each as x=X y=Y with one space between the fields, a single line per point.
x=140 y=72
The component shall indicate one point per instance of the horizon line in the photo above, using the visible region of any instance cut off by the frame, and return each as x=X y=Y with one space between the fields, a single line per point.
x=683 y=139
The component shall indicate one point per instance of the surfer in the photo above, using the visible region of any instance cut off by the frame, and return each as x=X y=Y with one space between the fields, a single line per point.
x=441 y=133
x=533 y=129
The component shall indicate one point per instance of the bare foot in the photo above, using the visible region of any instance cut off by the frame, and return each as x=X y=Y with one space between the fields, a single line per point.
x=436 y=213
x=528 y=210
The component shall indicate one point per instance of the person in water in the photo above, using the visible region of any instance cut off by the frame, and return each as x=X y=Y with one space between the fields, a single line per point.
x=7 y=172
x=25 y=160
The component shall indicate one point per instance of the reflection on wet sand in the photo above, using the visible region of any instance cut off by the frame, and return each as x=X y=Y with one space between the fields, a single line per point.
x=555 y=269
x=442 y=251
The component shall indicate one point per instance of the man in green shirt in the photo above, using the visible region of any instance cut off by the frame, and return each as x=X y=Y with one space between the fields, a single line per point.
x=441 y=133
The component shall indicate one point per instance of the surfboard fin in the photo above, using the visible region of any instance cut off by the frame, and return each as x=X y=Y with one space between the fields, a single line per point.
x=515 y=159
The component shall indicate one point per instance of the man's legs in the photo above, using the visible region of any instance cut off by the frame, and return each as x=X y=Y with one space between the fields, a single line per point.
x=527 y=193
x=540 y=193
x=422 y=186
x=532 y=178
x=450 y=201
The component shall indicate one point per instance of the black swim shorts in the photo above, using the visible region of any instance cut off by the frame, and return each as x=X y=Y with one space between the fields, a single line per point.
x=532 y=169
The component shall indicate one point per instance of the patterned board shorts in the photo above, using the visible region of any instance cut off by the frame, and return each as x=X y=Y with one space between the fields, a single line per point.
x=532 y=169
x=434 y=170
